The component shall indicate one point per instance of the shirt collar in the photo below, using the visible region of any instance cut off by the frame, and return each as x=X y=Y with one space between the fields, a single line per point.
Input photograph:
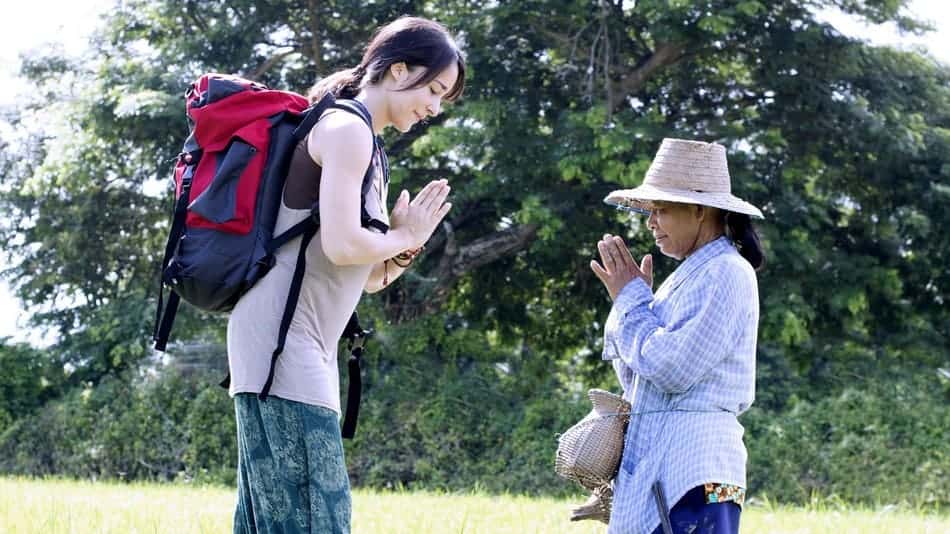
x=697 y=259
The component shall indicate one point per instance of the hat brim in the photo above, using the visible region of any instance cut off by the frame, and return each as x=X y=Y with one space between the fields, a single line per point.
x=637 y=200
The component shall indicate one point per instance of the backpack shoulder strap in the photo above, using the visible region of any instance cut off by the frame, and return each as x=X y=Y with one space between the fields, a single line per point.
x=311 y=115
x=357 y=108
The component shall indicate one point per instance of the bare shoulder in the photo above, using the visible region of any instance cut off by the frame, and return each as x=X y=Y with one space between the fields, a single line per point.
x=340 y=137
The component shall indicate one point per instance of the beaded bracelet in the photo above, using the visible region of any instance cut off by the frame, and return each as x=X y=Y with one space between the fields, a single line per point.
x=407 y=257
x=404 y=259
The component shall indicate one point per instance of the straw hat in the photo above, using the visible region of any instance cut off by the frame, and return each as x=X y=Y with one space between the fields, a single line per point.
x=589 y=452
x=689 y=172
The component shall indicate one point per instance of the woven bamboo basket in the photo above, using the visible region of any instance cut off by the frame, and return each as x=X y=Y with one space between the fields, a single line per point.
x=589 y=452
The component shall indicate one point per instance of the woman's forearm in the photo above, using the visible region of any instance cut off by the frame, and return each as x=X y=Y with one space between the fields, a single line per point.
x=383 y=275
x=362 y=246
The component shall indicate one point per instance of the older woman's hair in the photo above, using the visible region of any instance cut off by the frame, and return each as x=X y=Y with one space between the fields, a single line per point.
x=740 y=230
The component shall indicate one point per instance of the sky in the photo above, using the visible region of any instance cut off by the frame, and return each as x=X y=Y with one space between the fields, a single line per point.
x=28 y=25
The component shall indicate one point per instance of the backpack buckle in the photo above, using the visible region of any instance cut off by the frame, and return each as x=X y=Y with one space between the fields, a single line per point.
x=358 y=342
x=190 y=158
x=355 y=334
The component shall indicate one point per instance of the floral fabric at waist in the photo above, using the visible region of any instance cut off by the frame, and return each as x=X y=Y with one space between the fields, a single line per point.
x=716 y=493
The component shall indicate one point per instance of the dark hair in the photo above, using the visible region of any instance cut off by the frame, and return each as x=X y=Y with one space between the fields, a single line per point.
x=412 y=40
x=739 y=229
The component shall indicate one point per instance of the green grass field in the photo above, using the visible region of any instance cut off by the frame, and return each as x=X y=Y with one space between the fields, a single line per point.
x=53 y=506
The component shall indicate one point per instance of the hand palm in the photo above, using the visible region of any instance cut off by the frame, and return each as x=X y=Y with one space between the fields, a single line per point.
x=618 y=268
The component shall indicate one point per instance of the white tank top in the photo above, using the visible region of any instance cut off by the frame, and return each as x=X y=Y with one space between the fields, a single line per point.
x=307 y=370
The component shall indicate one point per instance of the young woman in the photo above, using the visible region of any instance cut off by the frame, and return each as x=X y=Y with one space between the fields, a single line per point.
x=684 y=354
x=291 y=472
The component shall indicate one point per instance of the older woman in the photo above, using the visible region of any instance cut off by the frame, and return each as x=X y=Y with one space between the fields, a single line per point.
x=684 y=354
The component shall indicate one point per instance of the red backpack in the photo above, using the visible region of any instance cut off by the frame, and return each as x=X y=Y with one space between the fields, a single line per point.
x=229 y=181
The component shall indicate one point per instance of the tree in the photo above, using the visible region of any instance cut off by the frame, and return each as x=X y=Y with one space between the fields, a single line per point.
x=28 y=378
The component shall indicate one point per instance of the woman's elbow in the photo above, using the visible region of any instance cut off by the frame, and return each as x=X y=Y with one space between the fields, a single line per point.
x=374 y=283
x=668 y=379
x=337 y=252
x=673 y=387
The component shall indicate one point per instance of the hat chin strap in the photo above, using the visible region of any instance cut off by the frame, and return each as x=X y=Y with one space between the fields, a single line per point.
x=699 y=232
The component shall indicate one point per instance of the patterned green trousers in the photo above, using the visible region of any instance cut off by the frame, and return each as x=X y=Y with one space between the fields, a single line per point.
x=291 y=473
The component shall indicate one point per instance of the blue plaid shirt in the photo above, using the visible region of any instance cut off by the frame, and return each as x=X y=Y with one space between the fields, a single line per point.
x=686 y=360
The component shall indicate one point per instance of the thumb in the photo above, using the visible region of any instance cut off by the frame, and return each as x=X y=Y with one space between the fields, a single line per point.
x=402 y=203
x=647 y=265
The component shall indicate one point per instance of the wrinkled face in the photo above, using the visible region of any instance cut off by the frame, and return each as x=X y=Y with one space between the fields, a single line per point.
x=675 y=227
x=412 y=105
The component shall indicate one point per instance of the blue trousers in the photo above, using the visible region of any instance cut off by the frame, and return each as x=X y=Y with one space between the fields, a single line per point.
x=693 y=515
